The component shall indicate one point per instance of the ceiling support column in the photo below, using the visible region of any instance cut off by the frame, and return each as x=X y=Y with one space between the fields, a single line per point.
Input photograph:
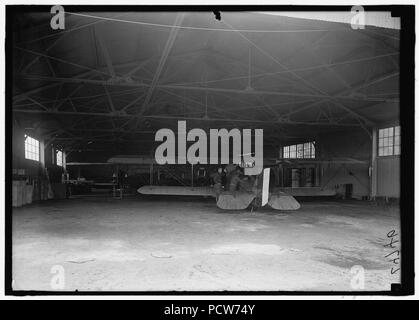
x=373 y=167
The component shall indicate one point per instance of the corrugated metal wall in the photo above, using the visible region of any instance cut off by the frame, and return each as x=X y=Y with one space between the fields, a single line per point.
x=388 y=177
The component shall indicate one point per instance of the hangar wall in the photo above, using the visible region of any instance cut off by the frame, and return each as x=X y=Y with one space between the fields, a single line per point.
x=388 y=177
x=31 y=182
x=47 y=154
x=32 y=168
x=355 y=144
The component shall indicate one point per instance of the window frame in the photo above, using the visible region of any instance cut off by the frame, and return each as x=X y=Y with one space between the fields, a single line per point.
x=304 y=150
x=389 y=137
x=32 y=148
x=62 y=158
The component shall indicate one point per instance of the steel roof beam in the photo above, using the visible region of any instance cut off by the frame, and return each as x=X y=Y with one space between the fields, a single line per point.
x=285 y=121
x=212 y=89
x=166 y=51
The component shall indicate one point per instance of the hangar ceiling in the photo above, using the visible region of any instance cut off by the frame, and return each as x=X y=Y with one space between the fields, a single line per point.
x=109 y=81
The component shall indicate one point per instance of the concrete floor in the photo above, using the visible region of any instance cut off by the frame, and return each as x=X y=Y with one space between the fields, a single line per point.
x=145 y=244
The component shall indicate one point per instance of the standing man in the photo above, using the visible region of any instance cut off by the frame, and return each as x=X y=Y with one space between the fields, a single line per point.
x=218 y=179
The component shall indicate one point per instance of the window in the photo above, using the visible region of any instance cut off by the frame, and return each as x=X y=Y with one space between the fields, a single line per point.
x=59 y=158
x=300 y=151
x=31 y=148
x=389 y=141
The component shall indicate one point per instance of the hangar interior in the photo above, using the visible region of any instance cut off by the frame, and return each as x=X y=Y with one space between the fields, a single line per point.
x=88 y=100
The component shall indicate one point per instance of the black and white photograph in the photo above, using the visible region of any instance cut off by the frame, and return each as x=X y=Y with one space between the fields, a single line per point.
x=209 y=150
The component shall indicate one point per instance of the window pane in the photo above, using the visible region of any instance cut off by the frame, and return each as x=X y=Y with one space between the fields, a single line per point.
x=286 y=152
x=31 y=148
x=59 y=158
x=300 y=148
x=303 y=150
x=307 y=150
x=390 y=132
x=389 y=141
x=380 y=133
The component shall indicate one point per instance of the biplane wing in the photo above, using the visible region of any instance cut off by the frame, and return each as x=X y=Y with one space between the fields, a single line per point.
x=339 y=160
x=177 y=191
x=238 y=200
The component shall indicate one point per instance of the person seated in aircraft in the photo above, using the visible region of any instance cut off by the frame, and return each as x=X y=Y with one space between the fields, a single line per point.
x=234 y=181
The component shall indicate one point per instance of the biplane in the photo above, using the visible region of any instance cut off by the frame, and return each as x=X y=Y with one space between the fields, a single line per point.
x=254 y=192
